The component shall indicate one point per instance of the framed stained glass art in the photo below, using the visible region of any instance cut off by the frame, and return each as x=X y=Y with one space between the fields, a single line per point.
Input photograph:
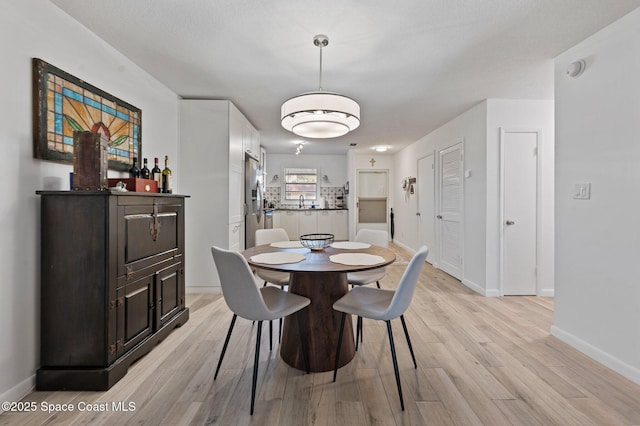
x=63 y=104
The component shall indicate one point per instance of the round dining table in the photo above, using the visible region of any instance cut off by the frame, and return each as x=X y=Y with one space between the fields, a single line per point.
x=324 y=282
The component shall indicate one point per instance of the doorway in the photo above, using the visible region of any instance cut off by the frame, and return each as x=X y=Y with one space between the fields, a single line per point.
x=519 y=211
x=450 y=211
x=426 y=206
x=372 y=196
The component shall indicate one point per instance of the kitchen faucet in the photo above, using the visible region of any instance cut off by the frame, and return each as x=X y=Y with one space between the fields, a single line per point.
x=301 y=202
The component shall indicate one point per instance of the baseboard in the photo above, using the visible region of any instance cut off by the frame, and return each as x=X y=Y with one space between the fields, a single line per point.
x=547 y=292
x=202 y=290
x=477 y=288
x=20 y=390
x=404 y=246
x=630 y=372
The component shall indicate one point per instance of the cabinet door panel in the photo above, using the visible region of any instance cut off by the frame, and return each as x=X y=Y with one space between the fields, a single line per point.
x=289 y=222
x=169 y=297
x=341 y=224
x=325 y=224
x=135 y=313
x=307 y=222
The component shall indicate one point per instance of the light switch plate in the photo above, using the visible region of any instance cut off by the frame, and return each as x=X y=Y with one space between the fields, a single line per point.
x=581 y=191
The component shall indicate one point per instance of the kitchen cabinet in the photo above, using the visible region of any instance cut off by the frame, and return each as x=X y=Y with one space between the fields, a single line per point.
x=300 y=222
x=340 y=223
x=112 y=283
x=307 y=222
x=213 y=138
x=289 y=222
x=251 y=140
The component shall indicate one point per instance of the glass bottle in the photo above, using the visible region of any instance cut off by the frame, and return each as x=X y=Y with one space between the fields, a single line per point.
x=156 y=174
x=145 y=172
x=134 y=171
x=166 y=177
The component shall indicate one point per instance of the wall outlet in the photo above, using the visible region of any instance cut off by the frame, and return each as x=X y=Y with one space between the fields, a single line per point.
x=581 y=191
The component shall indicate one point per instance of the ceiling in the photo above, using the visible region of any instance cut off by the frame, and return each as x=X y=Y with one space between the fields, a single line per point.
x=412 y=65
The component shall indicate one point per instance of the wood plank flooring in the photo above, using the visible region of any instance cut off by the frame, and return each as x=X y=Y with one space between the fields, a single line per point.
x=481 y=361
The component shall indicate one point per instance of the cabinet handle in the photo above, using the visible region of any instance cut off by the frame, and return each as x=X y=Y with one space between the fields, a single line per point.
x=154 y=227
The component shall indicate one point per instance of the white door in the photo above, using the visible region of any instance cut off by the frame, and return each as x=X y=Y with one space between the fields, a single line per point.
x=519 y=217
x=426 y=205
x=449 y=217
x=372 y=199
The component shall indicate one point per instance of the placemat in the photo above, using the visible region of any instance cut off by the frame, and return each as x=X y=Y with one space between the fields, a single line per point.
x=351 y=245
x=277 y=258
x=286 y=244
x=356 y=259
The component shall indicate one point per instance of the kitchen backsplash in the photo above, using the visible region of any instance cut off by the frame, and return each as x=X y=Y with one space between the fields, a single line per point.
x=329 y=193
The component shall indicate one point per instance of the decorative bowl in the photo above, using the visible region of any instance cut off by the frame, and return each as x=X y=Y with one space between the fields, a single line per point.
x=316 y=242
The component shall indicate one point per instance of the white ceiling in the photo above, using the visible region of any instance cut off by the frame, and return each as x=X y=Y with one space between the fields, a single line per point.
x=412 y=65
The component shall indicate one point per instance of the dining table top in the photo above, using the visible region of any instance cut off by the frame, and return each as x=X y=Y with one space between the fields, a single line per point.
x=319 y=260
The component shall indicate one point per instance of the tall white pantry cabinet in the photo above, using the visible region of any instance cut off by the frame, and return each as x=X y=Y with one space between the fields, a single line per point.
x=212 y=134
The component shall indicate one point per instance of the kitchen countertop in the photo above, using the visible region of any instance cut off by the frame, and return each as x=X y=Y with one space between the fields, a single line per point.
x=305 y=209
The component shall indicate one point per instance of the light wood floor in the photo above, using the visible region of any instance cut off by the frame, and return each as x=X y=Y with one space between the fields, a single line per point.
x=480 y=360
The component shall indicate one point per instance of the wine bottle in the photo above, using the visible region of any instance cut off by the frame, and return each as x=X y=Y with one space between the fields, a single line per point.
x=134 y=171
x=145 y=172
x=166 y=176
x=156 y=174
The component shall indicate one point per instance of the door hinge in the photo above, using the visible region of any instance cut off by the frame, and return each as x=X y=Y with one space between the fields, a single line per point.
x=114 y=347
x=116 y=303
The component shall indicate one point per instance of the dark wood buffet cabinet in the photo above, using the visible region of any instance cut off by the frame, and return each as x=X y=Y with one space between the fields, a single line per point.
x=112 y=283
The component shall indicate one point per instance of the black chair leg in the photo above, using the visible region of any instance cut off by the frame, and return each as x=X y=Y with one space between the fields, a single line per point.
x=265 y=284
x=406 y=334
x=335 y=370
x=358 y=331
x=270 y=336
x=280 y=331
x=395 y=363
x=305 y=353
x=226 y=343
x=255 y=366
x=378 y=284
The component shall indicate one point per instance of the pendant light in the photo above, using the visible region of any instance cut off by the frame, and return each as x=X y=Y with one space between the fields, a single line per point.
x=320 y=114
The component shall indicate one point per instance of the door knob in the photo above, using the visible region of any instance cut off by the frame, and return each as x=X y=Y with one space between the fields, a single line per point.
x=418 y=214
x=510 y=222
x=439 y=216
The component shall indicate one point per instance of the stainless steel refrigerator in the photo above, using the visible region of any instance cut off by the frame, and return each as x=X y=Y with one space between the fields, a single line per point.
x=253 y=187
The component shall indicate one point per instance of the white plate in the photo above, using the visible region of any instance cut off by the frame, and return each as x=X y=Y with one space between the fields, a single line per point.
x=356 y=259
x=286 y=244
x=351 y=245
x=277 y=258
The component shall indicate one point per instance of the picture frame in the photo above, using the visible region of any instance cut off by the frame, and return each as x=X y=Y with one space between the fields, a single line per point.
x=63 y=103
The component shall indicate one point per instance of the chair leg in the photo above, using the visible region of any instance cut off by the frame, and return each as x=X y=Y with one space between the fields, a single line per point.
x=305 y=353
x=256 y=362
x=395 y=363
x=226 y=343
x=280 y=331
x=358 y=331
x=265 y=284
x=270 y=336
x=406 y=334
x=378 y=284
x=335 y=370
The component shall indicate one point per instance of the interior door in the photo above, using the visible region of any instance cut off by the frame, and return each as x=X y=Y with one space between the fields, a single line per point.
x=449 y=217
x=519 y=217
x=372 y=190
x=426 y=205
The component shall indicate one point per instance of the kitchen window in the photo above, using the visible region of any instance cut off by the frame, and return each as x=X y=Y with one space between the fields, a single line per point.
x=299 y=182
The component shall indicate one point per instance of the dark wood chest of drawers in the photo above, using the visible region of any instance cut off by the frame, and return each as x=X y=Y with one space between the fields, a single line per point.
x=112 y=283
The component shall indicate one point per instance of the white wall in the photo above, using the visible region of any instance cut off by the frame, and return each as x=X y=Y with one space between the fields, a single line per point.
x=597 y=303
x=36 y=28
x=512 y=114
x=469 y=128
x=479 y=130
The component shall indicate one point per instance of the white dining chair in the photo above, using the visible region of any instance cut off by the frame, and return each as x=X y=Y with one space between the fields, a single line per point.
x=376 y=237
x=383 y=305
x=268 y=236
x=247 y=300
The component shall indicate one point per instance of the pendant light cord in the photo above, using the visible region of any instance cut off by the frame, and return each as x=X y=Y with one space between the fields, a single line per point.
x=320 y=78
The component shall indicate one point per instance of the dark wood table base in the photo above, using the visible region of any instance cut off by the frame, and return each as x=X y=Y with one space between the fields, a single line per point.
x=320 y=323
